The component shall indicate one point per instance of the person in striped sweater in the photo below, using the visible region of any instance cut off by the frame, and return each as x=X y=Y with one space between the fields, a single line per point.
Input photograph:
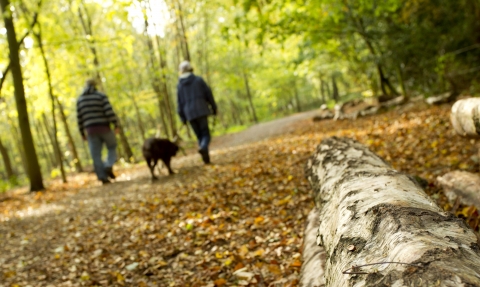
x=95 y=117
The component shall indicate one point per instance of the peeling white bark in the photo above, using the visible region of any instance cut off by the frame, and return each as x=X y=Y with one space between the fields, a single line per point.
x=465 y=117
x=461 y=184
x=313 y=256
x=370 y=213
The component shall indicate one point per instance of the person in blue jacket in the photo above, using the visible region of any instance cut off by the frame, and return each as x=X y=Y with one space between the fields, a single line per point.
x=195 y=103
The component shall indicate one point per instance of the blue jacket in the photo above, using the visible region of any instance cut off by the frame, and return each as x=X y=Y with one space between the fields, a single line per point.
x=194 y=98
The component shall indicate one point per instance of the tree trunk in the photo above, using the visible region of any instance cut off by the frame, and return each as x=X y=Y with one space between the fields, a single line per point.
x=123 y=139
x=6 y=161
x=56 y=145
x=335 y=96
x=18 y=143
x=20 y=42
x=402 y=83
x=34 y=172
x=141 y=128
x=372 y=215
x=297 y=98
x=206 y=50
x=249 y=95
x=183 y=30
x=322 y=91
x=166 y=94
x=50 y=142
x=465 y=117
x=86 y=22
x=71 y=142
x=155 y=79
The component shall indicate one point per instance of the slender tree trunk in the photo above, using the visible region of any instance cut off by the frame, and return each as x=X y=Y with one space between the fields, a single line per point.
x=155 y=79
x=384 y=82
x=86 y=22
x=166 y=94
x=140 y=125
x=322 y=91
x=335 y=95
x=206 y=50
x=183 y=30
x=6 y=161
x=402 y=83
x=34 y=172
x=18 y=143
x=43 y=143
x=71 y=142
x=297 y=98
x=132 y=98
x=163 y=77
x=126 y=146
x=249 y=96
x=379 y=228
x=51 y=142
x=56 y=145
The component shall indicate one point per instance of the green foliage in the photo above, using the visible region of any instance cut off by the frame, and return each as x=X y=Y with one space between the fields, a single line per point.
x=287 y=51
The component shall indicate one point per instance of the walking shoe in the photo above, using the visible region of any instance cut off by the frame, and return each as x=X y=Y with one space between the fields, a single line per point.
x=205 y=156
x=109 y=172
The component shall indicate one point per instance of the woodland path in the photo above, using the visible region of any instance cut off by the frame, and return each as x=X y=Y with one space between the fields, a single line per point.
x=42 y=227
x=263 y=131
x=196 y=228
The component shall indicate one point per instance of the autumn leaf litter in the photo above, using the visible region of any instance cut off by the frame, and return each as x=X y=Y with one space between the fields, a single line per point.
x=236 y=223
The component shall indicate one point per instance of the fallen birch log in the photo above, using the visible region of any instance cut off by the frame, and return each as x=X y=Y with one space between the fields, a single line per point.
x=372 y=215
x=463 y=185
x=313 y=256
x=465 y=117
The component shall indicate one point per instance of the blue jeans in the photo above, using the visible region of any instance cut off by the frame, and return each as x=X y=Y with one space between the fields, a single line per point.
x=201 y=130
x=95 y=143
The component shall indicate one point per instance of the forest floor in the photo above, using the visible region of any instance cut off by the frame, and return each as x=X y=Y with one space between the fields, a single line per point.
x=238 y=222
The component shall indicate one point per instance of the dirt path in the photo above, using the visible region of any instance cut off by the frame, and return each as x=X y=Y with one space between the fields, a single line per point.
x=198 y=227
x=89 y=235
x=262 y=131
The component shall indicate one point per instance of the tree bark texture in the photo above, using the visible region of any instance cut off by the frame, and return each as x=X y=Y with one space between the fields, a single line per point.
x=465 y=117
x=336 y=95
x=313 y=256
x=462 y=184
x=249 y=95
x=6 y=161
x=373 y=214
x=33 y=167
x=71 y=142
x=58 y=151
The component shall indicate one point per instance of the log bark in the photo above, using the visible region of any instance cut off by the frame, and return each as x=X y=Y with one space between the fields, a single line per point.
x=465 y=117
x=462 y=184
x=313 y=256
x=373 y=214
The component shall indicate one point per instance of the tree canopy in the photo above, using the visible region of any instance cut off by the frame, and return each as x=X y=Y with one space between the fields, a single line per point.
x=263 y=59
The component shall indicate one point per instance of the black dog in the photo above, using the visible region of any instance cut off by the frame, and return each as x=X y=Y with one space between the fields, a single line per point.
x=154 y=149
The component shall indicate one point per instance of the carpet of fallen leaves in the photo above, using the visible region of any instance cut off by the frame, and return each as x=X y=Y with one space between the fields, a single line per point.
x=238 y=222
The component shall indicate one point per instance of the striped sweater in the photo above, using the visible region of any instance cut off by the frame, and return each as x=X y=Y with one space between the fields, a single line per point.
x=94 y=109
